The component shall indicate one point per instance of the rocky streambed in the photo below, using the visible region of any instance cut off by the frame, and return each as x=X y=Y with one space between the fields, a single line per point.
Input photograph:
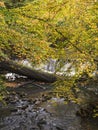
x=34 y=108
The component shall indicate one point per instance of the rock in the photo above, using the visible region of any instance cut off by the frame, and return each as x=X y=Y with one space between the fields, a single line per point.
x=14 y=110
x=59 y=128
x=37 y=102
x=41 y=122
x=22 y=95
x=13 y=101
x=34 y=128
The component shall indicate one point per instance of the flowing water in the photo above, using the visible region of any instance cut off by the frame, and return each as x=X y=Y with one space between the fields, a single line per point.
x=30 y=108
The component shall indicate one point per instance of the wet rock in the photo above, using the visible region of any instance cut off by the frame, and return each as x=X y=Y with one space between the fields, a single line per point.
x=22 y=95
x=30 y=101
x=59 y=128
x=24 y=107
x=34 y=128
x=37 y=102
x=13 y=101
x=14 y=110
x=41 y=122
x=47 y=127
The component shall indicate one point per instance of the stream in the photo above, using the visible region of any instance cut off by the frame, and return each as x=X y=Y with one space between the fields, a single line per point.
x=32 y=108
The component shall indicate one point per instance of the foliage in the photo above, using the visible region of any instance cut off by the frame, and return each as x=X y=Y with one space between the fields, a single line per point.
x=15 y=3
x=71 y=26
x=95 y=111
x=60 y=29
x=20 y=35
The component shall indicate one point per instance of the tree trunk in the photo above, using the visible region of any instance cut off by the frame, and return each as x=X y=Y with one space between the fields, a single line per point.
x=25 y=71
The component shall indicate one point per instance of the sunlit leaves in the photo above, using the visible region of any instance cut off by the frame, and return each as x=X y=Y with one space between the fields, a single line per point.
x=22 y=36
x=70 y=26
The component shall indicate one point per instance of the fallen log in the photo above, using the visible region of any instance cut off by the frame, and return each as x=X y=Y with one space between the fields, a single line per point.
x=37 y=75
